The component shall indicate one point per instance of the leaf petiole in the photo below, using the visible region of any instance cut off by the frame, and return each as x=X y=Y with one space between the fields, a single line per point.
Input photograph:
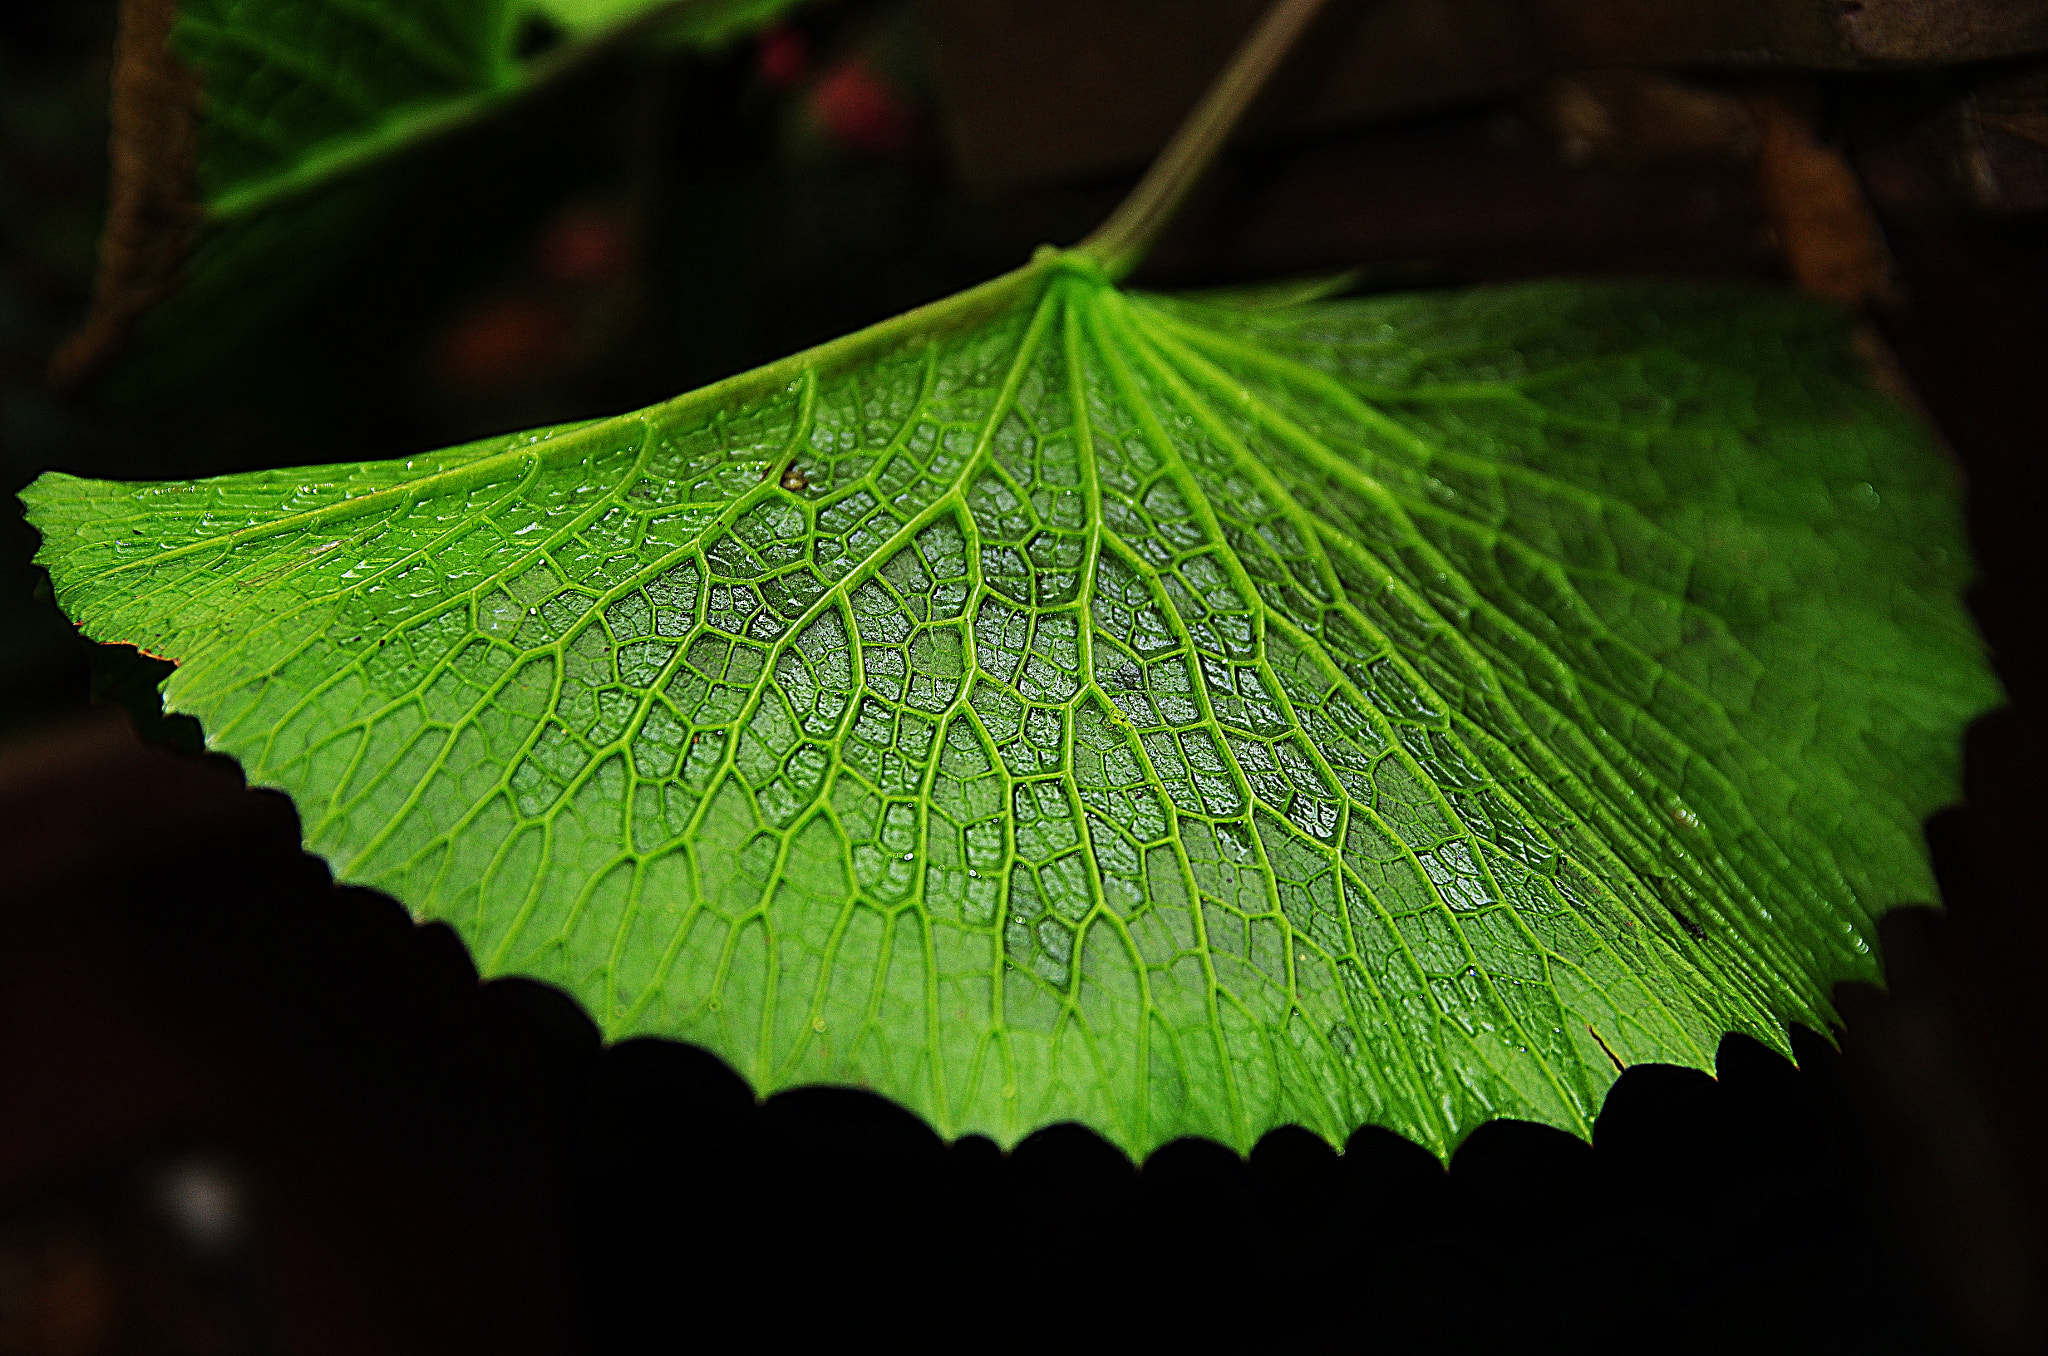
x=1123 y=240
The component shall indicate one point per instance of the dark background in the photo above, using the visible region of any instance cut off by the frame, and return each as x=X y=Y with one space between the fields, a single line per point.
x=244 y=1111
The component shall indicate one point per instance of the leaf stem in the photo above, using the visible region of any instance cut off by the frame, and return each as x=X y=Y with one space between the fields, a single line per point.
x=1123 y=240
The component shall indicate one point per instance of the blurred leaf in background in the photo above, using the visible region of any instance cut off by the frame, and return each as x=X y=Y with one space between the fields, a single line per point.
x=252 y=148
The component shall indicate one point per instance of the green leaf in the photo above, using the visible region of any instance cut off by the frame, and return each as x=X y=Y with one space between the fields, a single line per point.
x=290 y=103
x=698 y=23
x=305 y=123
x=1180 y=717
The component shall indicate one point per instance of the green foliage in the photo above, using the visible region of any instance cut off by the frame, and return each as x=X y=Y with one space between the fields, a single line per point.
x=296 y=95
x=1184 y=717
x=313 y=121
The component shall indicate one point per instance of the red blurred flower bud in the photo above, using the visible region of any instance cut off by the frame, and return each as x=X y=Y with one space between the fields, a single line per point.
x=861 y=111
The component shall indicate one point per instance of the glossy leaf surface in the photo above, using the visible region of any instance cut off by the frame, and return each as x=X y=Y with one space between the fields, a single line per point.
x=1181 y=717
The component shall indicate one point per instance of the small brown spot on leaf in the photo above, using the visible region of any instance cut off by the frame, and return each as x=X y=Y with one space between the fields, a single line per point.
x=794 y=480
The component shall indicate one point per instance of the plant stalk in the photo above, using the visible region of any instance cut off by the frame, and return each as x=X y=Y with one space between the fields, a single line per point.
x=1123 y=240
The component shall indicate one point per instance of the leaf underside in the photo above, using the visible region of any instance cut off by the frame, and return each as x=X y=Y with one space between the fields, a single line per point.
x=1177 y=717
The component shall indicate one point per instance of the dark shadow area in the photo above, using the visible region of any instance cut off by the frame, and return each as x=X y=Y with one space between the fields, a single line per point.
x=417 y=1162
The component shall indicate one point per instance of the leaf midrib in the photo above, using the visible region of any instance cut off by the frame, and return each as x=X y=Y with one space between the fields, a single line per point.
x=924 y=324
